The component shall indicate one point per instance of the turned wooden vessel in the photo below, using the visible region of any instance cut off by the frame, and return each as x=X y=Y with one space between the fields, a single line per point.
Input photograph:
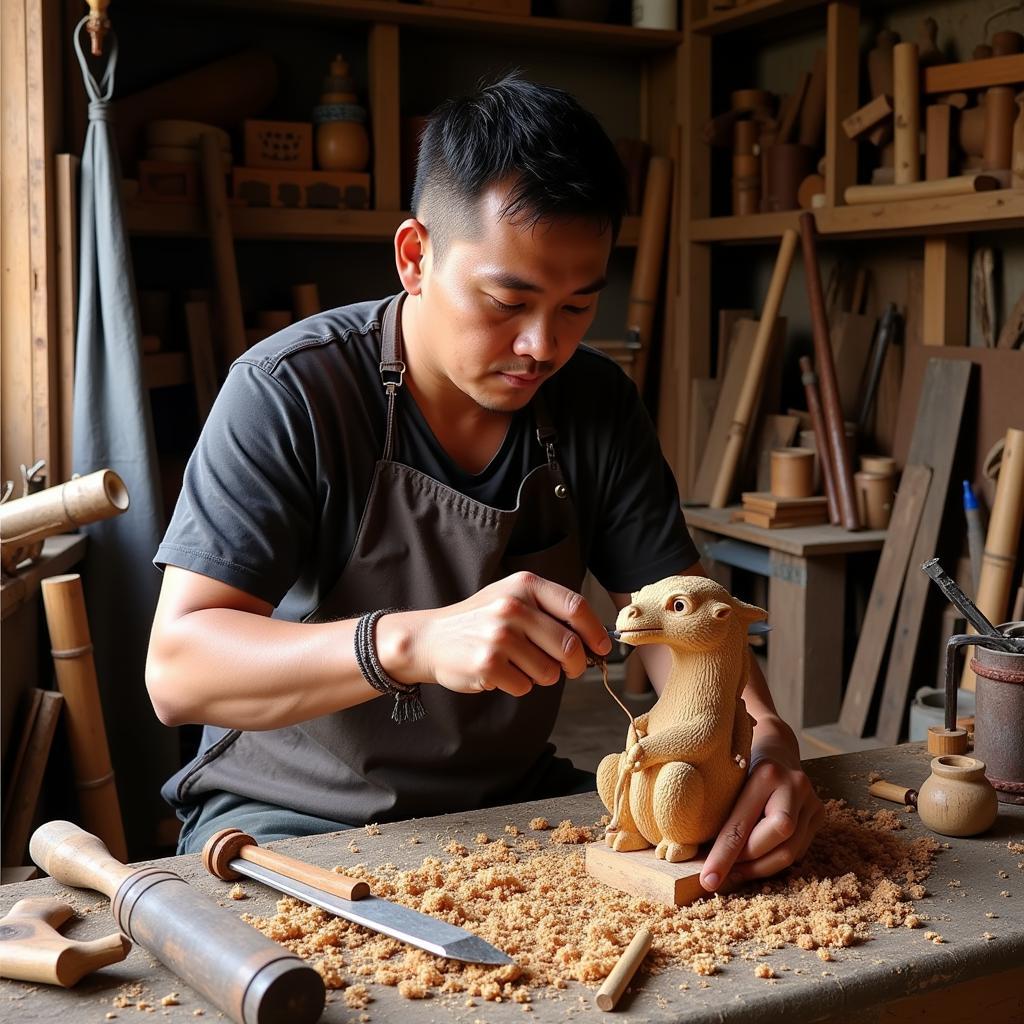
x=957 y=799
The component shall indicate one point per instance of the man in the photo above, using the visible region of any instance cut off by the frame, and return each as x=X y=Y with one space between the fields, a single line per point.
x=371 y=578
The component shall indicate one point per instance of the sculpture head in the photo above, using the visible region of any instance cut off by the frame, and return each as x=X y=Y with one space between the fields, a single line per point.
x=689 y=613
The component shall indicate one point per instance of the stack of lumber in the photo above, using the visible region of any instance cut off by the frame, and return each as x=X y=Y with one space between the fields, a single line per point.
x=760 y=508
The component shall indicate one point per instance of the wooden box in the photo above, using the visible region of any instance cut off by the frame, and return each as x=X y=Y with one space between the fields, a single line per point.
x=279 y=145
x=330 y=190
x=162 y=181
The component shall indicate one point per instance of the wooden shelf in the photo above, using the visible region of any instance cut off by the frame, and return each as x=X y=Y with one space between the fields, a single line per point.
x=561 y=32
x=998 y=210
x=60 y=554
x=752 y=13
x=178 y=220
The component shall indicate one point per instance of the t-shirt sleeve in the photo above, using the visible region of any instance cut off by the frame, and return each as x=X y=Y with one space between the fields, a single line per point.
x=641 y=535
x=245 y=515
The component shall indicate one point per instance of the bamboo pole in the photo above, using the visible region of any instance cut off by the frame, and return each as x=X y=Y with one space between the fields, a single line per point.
x=87 y=735
x=755 y=372
x=833 y=413
x=1004 y=524
x=810 y=382
x=650 y=255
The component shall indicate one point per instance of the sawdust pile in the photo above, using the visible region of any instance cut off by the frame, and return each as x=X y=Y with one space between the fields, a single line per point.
x=560 y=925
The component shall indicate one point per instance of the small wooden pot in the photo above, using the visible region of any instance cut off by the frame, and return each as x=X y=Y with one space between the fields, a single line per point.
x=957 y=799
x=884 y=464
x=792 y=473
x=874 y=498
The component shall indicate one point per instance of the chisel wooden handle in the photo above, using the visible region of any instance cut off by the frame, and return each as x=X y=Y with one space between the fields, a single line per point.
x=248 y=976
x=230 y=843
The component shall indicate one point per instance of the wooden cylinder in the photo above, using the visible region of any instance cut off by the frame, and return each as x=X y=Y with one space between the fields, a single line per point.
x=971 y=131
x=812 y=110
x=622 y=973
x=1006 y=42
x=813 y=185
x=650 y=255
x=890 y=791
x=946 y=741
x=938 y=139
x=820 y=434
x=874 y=498
x=755 y=372
x=906 y=102
x=1017 y=159
x=792 y=472
x=229 y=297
x=744 y=138
x=87 y=735
x=306 y=300
x=884 y=464
x=997 y=148
x=880 y=63
x=25 y=522
x=1004 y=524
x=790 y=163
x=961 y=185
x=833 y=414
x=248 y=976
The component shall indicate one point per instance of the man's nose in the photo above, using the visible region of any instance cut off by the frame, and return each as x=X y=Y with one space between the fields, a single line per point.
x=537 y=341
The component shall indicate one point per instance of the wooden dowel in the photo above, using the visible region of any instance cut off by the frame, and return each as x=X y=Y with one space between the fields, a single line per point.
x=997 y=154
x=1004 y=525
x=890 y=791
x=87 y=734
x=812 y=111
x=832 y=410
x=906 y=103
x=650 y=255
x=938 y=137
x=755 y=372
x=229 y=297
x=960 y=185
x=810 y=382
x=622 y=973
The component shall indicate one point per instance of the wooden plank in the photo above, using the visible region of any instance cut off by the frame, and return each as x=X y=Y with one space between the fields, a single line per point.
x=386 y=117
x=974 y=74
x=851 y=344
x=829 y=739
x=945 y=295
x=751 y=13
x=742 y=345
x=641 y=873
x=31 y=703
x=861 y=121
x=726 y=322
x=67 y=300
x=26 y=788
x=885 y=592
x=843 y=24
x=934 y=444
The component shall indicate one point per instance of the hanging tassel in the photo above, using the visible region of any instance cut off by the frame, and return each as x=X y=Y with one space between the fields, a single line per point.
x=408 y=707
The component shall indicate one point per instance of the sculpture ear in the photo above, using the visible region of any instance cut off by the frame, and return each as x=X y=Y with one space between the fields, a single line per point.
x=749 y=612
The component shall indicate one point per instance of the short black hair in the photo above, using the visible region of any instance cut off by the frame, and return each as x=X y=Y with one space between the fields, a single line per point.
x=556 y=154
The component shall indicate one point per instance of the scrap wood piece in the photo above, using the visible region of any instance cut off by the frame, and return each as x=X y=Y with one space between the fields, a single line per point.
x=936 y=431
x=1013 y=330
x=872 y=114
x=885 y=593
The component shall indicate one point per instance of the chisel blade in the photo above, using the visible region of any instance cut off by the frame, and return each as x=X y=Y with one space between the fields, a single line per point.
x=380 y=915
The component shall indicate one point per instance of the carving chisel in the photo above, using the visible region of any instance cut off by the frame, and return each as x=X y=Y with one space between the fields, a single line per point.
x=226 y=855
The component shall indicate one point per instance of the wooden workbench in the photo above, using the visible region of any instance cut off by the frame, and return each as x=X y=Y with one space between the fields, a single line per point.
x=898 y=975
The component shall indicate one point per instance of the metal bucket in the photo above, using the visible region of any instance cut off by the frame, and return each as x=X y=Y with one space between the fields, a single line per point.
x=999 y=717
x=929 y=708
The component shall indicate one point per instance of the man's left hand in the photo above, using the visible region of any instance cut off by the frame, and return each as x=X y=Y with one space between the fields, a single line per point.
x=770 y=828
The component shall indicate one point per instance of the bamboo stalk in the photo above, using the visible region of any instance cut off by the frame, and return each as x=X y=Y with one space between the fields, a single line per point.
x=1004 y=524
x=87 y=735
x=755 y=372
x=833 y=414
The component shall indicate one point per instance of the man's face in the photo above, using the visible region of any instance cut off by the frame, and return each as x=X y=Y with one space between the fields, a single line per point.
x=506 y=309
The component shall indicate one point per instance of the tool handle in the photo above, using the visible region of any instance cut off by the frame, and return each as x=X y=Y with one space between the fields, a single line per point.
x=230 y=843
x=75 y=857
x=890 y=791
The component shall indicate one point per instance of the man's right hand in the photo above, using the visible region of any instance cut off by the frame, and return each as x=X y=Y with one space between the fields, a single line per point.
x=520 y=632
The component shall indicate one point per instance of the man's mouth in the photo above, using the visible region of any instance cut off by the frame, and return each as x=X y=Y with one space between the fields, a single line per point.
x=521 y=379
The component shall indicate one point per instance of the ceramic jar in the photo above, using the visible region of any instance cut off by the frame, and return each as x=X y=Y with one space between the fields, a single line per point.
x=957 y=799
x=342 y=143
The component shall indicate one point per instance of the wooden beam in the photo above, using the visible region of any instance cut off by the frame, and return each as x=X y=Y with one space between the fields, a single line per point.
x=840 y=98
x=386 y=117
x=974 y=74
x=944 y=316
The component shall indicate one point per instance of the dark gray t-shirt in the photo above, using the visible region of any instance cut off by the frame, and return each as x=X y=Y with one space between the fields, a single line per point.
x=276 y=486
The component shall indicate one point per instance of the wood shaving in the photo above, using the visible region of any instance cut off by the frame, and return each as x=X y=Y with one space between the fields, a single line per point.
x=373 y=829
x=352 y=848
x=763 y=971
x=562 y=926
x=238 y=893
x=1015 y=847
x=357 y=996
x=511 y=830
x=170 y=1000
x=875 y=777
x=539 y=824
x=482 y=839
x=568 y=834
x=1006 y=893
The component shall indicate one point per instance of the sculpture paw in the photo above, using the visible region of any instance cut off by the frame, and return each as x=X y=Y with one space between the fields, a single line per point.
x=624 y=841
x=674 y=853
x=741 y=761
x=634 y=759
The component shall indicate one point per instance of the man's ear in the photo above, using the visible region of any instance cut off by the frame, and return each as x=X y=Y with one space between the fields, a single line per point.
x=412 y=247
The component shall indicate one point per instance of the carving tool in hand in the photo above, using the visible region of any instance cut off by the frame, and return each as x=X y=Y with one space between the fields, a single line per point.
x=230 y=853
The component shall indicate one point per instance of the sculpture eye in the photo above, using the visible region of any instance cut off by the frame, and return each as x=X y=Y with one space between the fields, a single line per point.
x=681 y=605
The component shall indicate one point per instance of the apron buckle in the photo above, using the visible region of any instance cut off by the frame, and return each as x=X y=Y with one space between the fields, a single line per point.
x=391 y=373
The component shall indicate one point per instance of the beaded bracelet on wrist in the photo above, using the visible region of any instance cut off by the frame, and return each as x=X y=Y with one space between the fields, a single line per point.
x=408 y=704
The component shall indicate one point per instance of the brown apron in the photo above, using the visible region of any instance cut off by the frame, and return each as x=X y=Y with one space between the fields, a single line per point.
x=420 y=544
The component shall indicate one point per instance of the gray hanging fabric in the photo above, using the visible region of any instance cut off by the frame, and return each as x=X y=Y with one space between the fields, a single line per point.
x=113 y=427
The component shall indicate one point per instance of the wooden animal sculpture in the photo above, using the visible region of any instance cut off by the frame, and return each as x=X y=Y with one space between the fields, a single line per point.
x=686 y=759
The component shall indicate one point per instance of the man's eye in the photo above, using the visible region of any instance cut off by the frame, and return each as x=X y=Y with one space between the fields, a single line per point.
x=576 y=310
x=504 y=307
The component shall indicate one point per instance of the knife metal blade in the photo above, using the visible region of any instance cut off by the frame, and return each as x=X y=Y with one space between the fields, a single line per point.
x=383 y=916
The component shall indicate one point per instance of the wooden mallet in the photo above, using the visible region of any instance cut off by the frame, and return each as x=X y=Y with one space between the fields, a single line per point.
x=248 y=976
x=31 y=948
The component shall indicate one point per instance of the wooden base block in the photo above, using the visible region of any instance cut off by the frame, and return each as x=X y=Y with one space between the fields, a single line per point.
x=642 y=874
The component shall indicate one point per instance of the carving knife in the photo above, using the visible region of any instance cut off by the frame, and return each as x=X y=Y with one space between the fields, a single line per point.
x=383 y=916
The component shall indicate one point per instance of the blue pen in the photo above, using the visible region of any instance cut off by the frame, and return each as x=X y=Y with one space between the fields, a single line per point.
x=975 y=533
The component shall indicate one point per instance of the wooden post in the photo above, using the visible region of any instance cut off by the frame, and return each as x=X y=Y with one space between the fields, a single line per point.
x=385 y=116
x=841 y=99
x=67 y=301
x=938 y=134
x=87 y=735
x=945 y=289
x=906 y=102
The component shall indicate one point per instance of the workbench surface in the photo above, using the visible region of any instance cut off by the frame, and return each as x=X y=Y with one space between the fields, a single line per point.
x=885 y=978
